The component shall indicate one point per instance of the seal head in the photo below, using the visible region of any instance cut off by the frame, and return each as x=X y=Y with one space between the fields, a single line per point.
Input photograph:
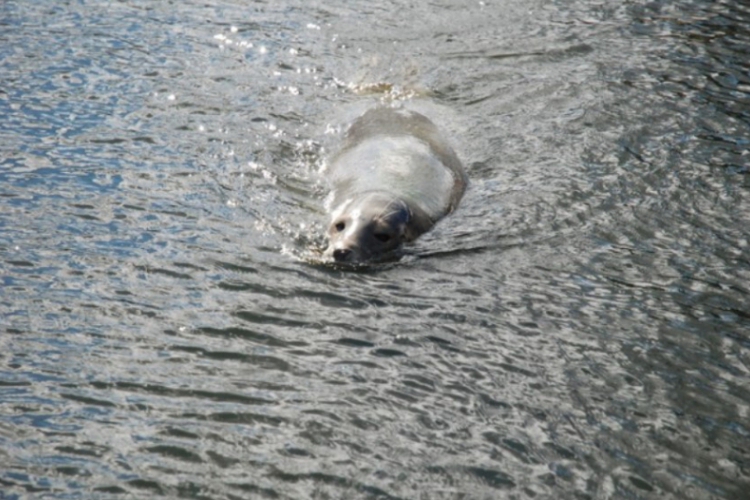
x=373 y=227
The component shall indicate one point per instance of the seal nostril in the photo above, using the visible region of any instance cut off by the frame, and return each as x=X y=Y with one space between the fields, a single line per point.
x=342 y=254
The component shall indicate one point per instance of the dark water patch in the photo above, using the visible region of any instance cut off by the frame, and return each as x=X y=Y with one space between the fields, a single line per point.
x=256 y=337
x=21 y=263
x=130 y=387
x=388 y=353
x=147 y=484
x=179 y=433
x=175 y=452
x=494 y=478
x=516 y=369
x=418 y=387
x=268 y=319
x=88 y=401
x=353 y=342
x=165 y=272
x=115 y=490
x=91 y=451
x=242 y=418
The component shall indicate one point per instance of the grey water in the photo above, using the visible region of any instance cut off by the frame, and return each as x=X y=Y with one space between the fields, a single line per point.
x=578 y=329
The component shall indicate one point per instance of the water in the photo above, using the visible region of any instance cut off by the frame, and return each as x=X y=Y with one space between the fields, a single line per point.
x=579 y=328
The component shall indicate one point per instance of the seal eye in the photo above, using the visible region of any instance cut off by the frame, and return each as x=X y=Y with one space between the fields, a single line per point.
x=340 y=226
x=383 y=237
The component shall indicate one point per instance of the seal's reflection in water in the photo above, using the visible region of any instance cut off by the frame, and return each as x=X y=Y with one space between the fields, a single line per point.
x=392 y=180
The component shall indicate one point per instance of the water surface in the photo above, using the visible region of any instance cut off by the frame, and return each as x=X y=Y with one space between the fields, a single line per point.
x=577 y=329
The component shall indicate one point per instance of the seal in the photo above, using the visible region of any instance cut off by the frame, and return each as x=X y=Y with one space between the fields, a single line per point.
x=394 y=177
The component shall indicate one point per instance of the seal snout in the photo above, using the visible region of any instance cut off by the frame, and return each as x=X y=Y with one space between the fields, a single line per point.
x=342 y=254
x=347 y=252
